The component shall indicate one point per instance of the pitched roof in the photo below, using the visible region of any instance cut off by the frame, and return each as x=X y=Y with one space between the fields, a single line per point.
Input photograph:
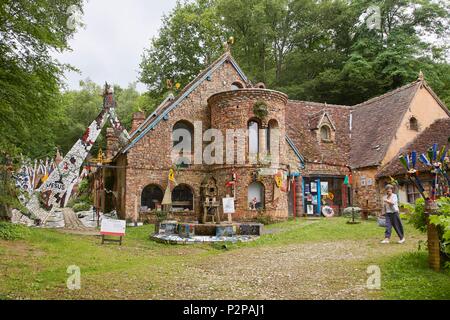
x=169 y=104
x=438 y=132
x=375 y=122
x=304 y=137
x=315 y=120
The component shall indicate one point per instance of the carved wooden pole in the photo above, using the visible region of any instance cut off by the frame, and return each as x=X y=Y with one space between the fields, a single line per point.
x=434 y=258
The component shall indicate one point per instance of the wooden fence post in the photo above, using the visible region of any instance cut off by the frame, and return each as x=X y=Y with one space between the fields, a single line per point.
x=434 y=257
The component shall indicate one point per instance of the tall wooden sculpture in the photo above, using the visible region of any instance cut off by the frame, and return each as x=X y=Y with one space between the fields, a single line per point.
x=55 y=188
x=438 y=164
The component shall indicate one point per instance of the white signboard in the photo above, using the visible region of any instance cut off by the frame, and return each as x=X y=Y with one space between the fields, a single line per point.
x=267 y=171
x=324 y=188
x=113 y=227
x=228 y=205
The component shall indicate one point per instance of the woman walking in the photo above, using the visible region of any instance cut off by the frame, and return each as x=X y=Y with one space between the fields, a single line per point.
x=390 y=210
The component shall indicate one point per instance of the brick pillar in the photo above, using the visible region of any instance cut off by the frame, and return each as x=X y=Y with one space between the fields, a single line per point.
x=434 y=255
x=112 y=143
x=138 y=119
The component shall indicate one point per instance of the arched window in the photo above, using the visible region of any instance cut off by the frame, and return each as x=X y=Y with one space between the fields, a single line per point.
x=253 y=137
x=182 y=198
x=325 y=133
x=413 y=124
x=151 y=196
x=183 y=143
x=272 y=136
x=256 y=196
x=237 y=85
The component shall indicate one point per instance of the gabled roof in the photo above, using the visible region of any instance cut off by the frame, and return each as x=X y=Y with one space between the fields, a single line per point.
x=300 y=114
x=375 y=122
x=316 y=119
x=438 y=132
x=168 y=105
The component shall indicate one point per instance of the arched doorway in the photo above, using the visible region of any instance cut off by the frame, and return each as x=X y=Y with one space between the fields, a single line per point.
x=151 y=196
x=256 y=196
x=182 y=198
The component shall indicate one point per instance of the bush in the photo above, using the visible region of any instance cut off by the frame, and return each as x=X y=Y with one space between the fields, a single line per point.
x=417 y=215
x=10 y=231
x=418 y=219
x=264 y=218
x=82 y=206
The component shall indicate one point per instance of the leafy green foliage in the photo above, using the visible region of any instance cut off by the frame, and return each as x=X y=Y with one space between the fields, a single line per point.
x=9 y=231
x=443 y=222
x=29 y=76
x=81 y=206
x=417 y=215
x=260 y=109
x=312 y=50
x=417 y=218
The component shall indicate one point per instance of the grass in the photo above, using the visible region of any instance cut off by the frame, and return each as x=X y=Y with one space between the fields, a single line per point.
x=408 y=276
x=35 y=266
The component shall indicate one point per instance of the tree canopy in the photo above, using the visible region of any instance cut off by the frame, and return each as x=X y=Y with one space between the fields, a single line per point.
x=313 y=50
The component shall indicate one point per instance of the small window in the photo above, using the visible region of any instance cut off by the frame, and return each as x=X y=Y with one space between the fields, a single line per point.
x=256 y=196
x=253 y=137
x=413 y=124
x=325 y=133
x=151 y=197
x=183 y=143
x=271 y=135
x=236 y=85
x=412 y=193
x=182 y=198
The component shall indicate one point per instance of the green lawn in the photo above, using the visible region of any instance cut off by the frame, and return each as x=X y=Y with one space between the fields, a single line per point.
x=35 y=266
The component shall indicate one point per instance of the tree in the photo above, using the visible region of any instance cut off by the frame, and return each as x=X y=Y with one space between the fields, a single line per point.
x=312 y=50
x=188 y=40
x=29 y=81
x=29 y=76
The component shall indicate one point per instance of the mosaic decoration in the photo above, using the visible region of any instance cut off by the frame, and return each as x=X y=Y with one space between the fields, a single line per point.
x=437 y=161
x=57 y=181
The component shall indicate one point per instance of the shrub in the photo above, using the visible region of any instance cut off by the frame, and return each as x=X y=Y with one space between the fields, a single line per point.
x=10 y=231
x=418 y=219
x=264 y=218
x=417 y=215
x=82 y=206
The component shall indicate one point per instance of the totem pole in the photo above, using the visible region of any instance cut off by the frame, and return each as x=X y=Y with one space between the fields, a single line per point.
x=438 y=163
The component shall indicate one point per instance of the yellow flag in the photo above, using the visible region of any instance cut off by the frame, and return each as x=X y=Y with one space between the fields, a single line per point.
x=171 y=175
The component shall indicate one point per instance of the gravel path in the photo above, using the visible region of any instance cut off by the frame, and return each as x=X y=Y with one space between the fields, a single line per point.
x=320 y=270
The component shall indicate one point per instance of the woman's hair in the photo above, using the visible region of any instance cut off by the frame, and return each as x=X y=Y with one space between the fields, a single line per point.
x=389 y=186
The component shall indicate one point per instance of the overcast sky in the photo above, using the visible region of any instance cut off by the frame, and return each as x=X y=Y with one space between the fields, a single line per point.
x=110 y=46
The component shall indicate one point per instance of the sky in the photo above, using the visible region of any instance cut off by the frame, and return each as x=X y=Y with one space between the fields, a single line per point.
x=110 y=46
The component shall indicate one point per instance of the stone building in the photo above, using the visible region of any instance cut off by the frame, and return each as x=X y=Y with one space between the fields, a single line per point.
x=289 y=159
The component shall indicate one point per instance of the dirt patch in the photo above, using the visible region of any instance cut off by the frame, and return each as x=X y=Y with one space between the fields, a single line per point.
x=321 y=270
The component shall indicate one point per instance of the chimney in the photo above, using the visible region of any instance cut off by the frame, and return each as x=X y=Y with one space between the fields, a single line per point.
x=138 y=119
x=112 y=143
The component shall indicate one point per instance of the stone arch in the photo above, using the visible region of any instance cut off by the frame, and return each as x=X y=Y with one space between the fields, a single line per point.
x=183 y=142
x=236 y=85
x=151 y=196
x=272 y=125
x=183 y=197
x=256 y=195
x=413 y=124
x=325 y=133
x=253 y=126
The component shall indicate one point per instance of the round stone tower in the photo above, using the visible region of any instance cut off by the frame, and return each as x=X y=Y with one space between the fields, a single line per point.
x=252 y=124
